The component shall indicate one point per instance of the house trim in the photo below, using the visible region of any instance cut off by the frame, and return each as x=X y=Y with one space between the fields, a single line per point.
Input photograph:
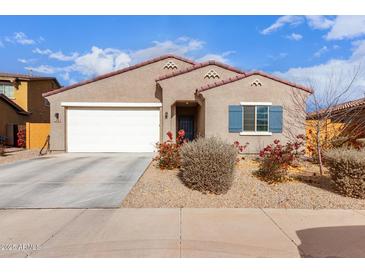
x=110 y=104
x=255 y=103
x=255 y=133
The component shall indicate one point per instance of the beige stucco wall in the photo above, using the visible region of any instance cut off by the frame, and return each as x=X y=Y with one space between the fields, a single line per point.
x=137 y=85
x=182 y=88
x=218 y=99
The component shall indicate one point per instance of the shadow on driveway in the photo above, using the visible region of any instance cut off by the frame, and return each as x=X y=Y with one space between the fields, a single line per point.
x=332 y=242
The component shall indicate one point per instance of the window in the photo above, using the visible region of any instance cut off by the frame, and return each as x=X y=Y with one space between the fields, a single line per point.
x=262 y=118
x=249 y=118
x=7 y=89
x=255 y=118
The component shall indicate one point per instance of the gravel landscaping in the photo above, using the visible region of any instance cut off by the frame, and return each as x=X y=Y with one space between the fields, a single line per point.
x=163 y=188
x=15 y=154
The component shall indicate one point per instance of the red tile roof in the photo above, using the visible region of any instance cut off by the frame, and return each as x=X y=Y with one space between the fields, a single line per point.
x=110 y=74
x=239 y=77
x=197 y=66
x=338 y=108
x=14 y=105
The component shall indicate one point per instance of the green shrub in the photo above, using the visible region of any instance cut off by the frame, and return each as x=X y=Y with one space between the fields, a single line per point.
x=347 y=170
x=207 y=165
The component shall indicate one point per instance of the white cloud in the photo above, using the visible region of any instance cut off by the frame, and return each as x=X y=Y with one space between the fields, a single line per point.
x=26 y=61
x=281 y=55
x=319 y=22
x=181 y=46
x=1 y=44
x=46 y=69
x=41 y=40
x=42 y=52
x=103 y=60
x=59 y=55
x=340 y=27
x=321 y=51
x=335 y=72
x=100 y=61
x=62 y=57
x=358 y=50
x=20 y=38
x=216 y=57
x=282 y=21
x=346 y=27
x=295 y=36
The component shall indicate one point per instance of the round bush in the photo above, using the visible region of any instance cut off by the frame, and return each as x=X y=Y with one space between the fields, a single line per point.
x=347 y=170
x=207 y=165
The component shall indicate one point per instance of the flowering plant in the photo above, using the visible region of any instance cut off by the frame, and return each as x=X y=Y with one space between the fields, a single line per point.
x=275 y=159
x=169 y=152
x=240 y=148
x=21 y=138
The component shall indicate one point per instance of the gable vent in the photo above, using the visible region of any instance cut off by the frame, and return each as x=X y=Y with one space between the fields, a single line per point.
x=256 y=83
x=170 y=65
x=212 y=74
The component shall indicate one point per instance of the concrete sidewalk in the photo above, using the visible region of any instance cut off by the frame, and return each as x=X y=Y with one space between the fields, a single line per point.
x=182 y=233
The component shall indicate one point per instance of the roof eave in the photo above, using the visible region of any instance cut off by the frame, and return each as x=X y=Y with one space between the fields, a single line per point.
x=110 y=74
x=237 y=78
x=198 y=66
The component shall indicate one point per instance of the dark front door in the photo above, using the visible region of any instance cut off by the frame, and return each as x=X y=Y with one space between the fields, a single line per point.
x=187 y=124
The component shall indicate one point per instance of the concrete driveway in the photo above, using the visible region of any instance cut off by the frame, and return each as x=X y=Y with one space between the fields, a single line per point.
x=71 y=180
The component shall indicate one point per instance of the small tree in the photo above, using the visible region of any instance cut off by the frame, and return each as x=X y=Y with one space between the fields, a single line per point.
x=328 y=122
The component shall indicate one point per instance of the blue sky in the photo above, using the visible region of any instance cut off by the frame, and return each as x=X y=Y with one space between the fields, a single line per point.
x=74 y=48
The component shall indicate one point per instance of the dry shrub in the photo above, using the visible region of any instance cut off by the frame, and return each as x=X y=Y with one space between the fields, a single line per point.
x=207 y=165
x=347 y=169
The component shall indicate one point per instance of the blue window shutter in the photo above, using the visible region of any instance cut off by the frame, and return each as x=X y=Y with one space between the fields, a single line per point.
x=276 y=119
x=235 y=118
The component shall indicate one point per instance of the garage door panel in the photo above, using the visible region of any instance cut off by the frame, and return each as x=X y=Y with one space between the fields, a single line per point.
x=112 y=130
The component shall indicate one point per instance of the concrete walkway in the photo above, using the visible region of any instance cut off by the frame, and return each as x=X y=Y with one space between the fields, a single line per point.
x=182 y=233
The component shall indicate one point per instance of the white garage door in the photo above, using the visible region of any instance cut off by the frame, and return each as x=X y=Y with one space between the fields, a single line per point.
x=112 y=129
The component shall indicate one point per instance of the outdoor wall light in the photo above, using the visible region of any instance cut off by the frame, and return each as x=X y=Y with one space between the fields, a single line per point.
x=166 y=115
x=57 y=116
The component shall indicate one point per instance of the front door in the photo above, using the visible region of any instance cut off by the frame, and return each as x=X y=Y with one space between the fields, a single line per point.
x=187 y=124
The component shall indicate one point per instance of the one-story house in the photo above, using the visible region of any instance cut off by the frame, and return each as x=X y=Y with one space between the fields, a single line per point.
x=132 y=109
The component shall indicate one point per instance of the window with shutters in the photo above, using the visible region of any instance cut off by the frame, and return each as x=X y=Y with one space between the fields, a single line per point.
x=255 y=118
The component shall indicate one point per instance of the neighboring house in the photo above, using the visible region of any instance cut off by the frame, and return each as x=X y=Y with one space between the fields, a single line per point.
x=21 y=101
x=346 y=120
x=133 y=108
